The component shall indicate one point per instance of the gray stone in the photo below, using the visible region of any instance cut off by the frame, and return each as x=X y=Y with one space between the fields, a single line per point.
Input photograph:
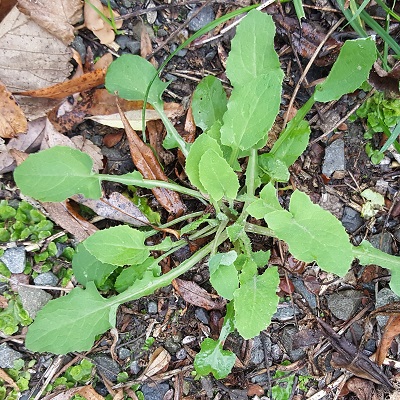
x=33 y=299
x=127 y=3
x=123 y=353
x=154 y=391
x=14 y=259
x=46 y=279
x=276 y=352
x=8 y=356
x=152 y=307
x=80 y=47
x=351 y=219
x=181 y=354
x=134 y=367
x=122 y=40
x=334 y=158
x=257 y=355
x=344 y=304
x=285 y=312
x=171 y=346
x=133 y=46
x=383 y=297
x=382 y=241
x=106 y=366
x=202 y=315
x=162 y=33
x=287 y=340
x=205 y=16
x=309 y=297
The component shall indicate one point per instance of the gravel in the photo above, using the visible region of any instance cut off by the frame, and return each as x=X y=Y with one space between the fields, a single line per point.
x=14 y=259
x=8 y=356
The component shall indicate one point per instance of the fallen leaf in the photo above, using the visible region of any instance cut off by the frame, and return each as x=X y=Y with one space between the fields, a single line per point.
x=192 y=293
x=158 y=362
x=156 y=131
x=146 y=47
x=65 y=216
x=104 y=111
x=392 y=329
x=111 y=139
x=22 y=64
x=56 y=16
x=116 y=207
x=75 y=85
x=147 y=164
x=28 y=143
x=85 y=391
x=386 y=81
x=5 y=7
x=362 y=388
x=97 y=25
x=3 y=302
x=12 y=118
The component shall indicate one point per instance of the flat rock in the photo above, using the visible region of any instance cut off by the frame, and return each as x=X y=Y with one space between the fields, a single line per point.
x=33 y=300
x=106 y=366
x=383 y=297
x=46 y=279
x=351 y=219
x=257 y=355
x=8 y=356
x=382 y=241
x=287 y=340
x=334 y=158
x=285 y=312
x=205 y=16
x=154 y=391
x=309 y=297
x=14 y=259
x=344 y=304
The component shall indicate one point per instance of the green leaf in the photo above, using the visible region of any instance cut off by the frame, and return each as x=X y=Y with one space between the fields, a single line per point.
x=196 y=152
x=88 y=268
x=252 y=110
x=129 y=76
x=70 y=323
x=212 y=359
x=368 y=254
x=217 y=177
x=313 y=234
x=256 y=302
x=268 y=202
x=223 y=273
x=350 y=70
x=56 y=174
x=135 y=272
x=120 y=245
x=209 y=102
x=252 y=50
x=286 y=150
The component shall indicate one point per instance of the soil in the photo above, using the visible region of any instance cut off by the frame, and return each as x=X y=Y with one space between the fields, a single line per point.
x=295 y=337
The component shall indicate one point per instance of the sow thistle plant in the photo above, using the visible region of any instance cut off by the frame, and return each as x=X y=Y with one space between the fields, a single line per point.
x=233 y=129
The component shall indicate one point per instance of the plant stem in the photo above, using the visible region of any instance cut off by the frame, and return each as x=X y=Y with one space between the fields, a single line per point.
x=181 y=219
x=259 y=230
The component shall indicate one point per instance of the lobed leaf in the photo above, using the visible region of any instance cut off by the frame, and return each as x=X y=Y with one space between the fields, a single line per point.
x=70 y=323
x=268 y=202
x=129 y=76
x=350 y=70
x=217 y=176
x=313 y=234
x=209 y=102
x=56 y=174
x=255 y=303
x=120 y=245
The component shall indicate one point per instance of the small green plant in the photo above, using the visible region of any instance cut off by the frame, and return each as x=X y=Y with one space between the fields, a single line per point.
x=382 y=116
x=21 y=376
x=13 y=316
x=23 y=222
x=233 y=129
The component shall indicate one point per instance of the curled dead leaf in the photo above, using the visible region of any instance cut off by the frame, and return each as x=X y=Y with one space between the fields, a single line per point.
x=12 y=118
x=158 y=362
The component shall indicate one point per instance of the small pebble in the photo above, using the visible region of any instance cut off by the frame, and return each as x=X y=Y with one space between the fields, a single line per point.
x=8 y=356
x=152 y=307
x=127 y=3
x=80 y=47
x=134 y=367
x=14 y=259
x=46 y=279
x=171 y=346
x=154 y=391
x=107 y=366
x=188 y=339
x=205 y=16
x=122 y=41
x=123 y=353
x=33 y=300
x=162 y=33
x=133 y=46
x=202 y=315
x=181 y=354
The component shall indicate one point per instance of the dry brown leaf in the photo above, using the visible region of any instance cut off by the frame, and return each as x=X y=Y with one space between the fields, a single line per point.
x=147 y=164
x=392 y=329
x=116 y=207
x=6 y=378
x=5 y=7
x=28 y=143
x=63 y=215
x=95 y=23
x=75 y=85
x=22 y=64
x=362 y=388
x=12 y=118
x=85 y=391
x=158 y=362
x=146 y=47
x=56 y=16
x=386 y=81
x=194 y=294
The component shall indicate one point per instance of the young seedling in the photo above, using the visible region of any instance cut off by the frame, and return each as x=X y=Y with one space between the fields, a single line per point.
x=233 y=128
